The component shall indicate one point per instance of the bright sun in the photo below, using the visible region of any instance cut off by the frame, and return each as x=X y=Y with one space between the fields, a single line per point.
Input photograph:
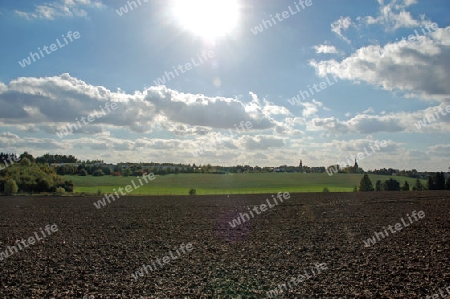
x=209 y=19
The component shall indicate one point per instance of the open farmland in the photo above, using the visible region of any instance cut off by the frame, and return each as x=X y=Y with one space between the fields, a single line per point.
x=235 y=183
x=95 y=251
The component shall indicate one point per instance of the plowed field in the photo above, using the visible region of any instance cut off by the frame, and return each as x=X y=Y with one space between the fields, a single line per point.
x=95 y=251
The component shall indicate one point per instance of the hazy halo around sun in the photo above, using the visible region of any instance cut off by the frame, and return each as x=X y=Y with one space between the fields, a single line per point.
x=209 y=19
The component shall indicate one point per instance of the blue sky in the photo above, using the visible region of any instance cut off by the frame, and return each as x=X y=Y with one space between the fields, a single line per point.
x=382 y=85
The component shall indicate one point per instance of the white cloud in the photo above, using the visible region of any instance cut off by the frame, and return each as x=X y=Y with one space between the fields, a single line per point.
x=342 y=24
x=420 y=67
x=326 y=49
x=52 y=102
x=62 y=8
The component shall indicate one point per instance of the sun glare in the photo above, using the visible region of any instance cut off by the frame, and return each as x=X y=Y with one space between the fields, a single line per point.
x=207 y=18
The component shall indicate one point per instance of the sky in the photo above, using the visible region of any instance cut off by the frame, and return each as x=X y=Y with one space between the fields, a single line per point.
x=228 y=82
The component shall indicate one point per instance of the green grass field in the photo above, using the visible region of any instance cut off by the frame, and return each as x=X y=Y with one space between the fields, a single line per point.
x=244 y=183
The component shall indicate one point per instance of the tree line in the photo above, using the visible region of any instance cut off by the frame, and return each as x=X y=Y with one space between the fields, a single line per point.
x=435 y=182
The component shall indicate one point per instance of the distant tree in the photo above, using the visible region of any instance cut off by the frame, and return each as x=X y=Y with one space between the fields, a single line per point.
x=25 y=162
x=418 y=186
x=440 y=181
x=391 y=185
x=60 y=190
x=126 y=172
x=68 y=186
x=98 y=172
x=378 y=185
x=83 y=172
x=43 y=185
x=138 y=173
x=106 y=170
x=325 y=189
x=431 y=185
x=192 y=192
x=365 y=184
x=405 y=186
x=10 y=187
x=447 y=185
x=27 y=155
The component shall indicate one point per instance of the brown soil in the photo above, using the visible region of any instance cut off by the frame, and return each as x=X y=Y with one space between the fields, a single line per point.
x=95 y=251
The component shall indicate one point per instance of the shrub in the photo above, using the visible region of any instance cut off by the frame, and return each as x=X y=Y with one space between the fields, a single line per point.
x=138 y=173
x=378 y=185
x=365 y=184
x=405 y=186
x=25 y=162
x=83 y=172
x=68 y=186
x=106 y=170
x=60 y=190
x=98 y=172
x=391 y=185
x=192 y=192
x=325 y=189
x=418 y=186
x=43 y=185
x=10 y=187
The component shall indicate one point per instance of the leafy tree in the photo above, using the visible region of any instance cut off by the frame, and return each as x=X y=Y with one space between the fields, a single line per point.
x=431 y=185
x=10 y=187
x=440 y=181
x=325 y=189
x=69 y=186
x=418 y=186
x=98 y=172
x=365 y=184
x=192 y=192
x=405 y=186
x=28 y=156
x=83 y=172
x=60 y=190
x=43 y=185
x=106 y=170
x=25 y=162
x=126 y=172
x=378 y=185
x=391 y=185
x=138 y=173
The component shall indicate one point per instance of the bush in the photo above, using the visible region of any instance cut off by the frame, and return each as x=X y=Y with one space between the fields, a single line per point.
x=106 y=170
x=418 y=186
x=43 y=185
x=98 y=172
x=25 y=162
x=391 y=185
x=325 y=189
x=60 y=190
x=365 y=184
x=378 y=185
x=192 y=192
x=138 y=173
x=83 y=172
x=405 y=187
x=10 y=187
x=68 y=186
